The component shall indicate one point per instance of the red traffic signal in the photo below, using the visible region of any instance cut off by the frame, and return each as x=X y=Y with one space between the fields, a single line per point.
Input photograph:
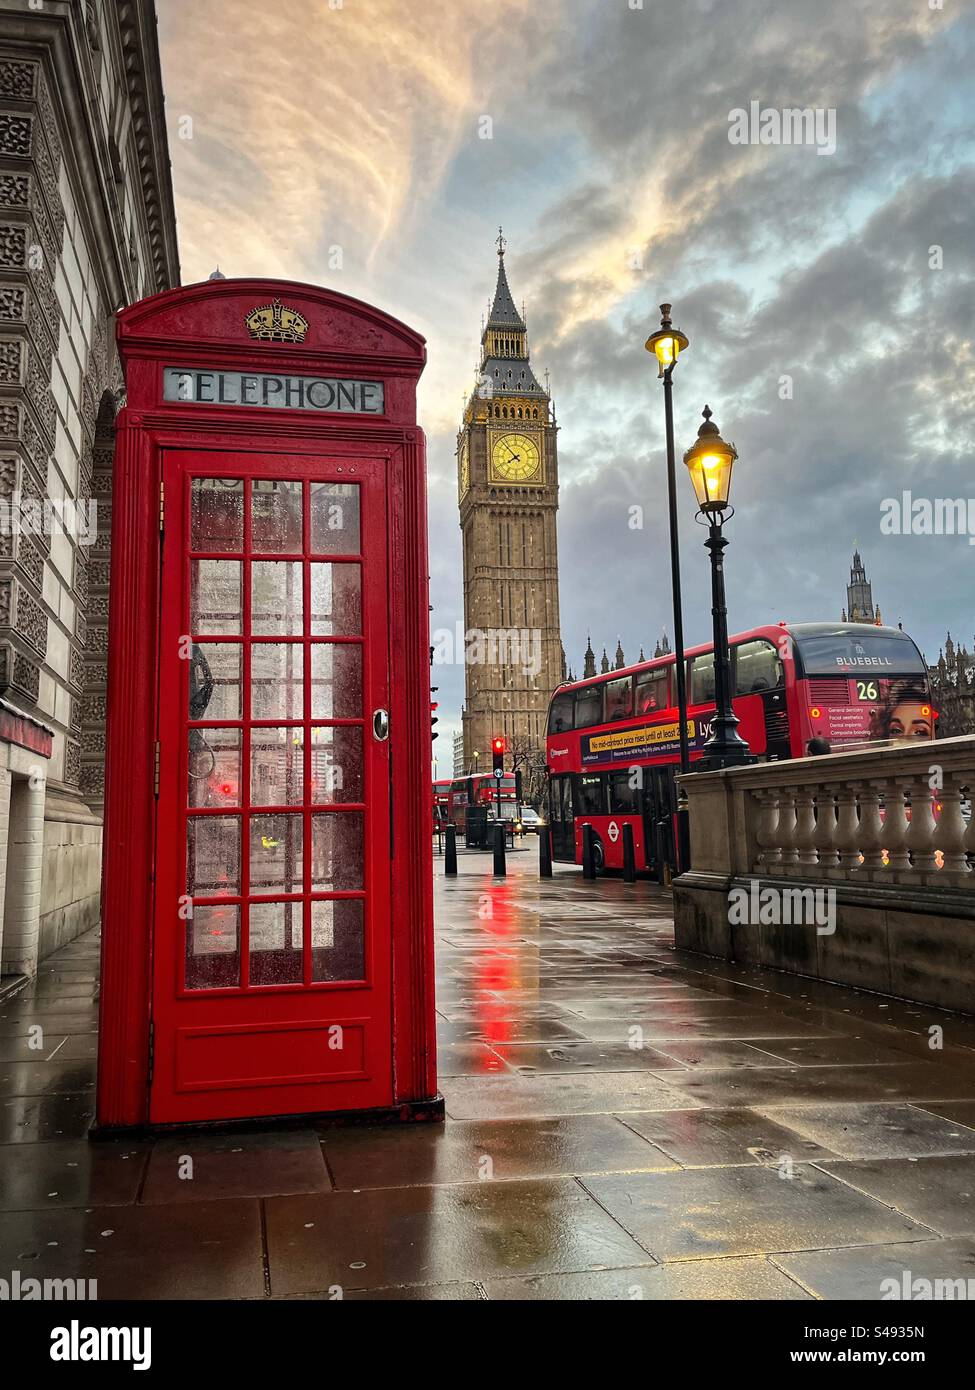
x=497 y=748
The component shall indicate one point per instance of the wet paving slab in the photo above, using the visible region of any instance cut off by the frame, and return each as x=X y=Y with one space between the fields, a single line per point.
x=201 y=1167
x=530 y=1058
x=938 y=1191
x=581 y=1093
x=876 y=1131
x=71 y=1174
x=189 y=1251
x=716 y=1138
x=746 y=1210
x=39 y=1078
x=42 y=1118
x=441 y=1234
x=754 y=1277
x=498 y=1150
x=624 y=1121
x=809 y=1085
x=888 y=1272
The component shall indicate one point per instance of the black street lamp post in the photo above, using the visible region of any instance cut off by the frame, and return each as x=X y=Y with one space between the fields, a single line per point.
x=667 y=344
x=709 y=462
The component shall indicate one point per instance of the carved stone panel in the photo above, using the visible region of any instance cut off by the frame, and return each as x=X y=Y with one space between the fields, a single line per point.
x=18 y=80
x=16 y=132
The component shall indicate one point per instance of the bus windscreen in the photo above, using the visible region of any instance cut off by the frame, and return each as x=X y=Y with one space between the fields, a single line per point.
x=850 y=653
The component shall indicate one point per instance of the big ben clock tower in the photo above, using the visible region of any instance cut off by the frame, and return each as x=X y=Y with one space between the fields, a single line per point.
x=508 y=483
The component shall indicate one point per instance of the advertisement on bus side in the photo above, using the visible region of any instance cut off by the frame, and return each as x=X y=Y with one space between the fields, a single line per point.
x=642 y=741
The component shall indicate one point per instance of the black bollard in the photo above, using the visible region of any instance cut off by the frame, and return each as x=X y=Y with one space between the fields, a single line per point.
x=450 y=850
x=588 y=855
x=499 y=866
x=544 y=851
x=629 y=858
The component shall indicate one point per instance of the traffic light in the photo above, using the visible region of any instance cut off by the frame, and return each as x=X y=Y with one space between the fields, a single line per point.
x=434 y=706
x=497 y=748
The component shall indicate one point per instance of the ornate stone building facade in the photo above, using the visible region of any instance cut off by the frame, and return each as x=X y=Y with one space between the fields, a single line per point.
x=508 y=488
x=86 y=225
x=619 y=661
x=953 y=689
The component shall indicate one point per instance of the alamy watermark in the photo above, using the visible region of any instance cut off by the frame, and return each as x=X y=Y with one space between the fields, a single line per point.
x=33 y=516
x=771 y=906
x=908 y=515
x=520 y=647
x=27 y=1289
x=913 y=1289
x=789 y=125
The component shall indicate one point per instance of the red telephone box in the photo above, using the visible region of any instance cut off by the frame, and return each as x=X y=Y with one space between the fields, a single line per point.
x=267 y=912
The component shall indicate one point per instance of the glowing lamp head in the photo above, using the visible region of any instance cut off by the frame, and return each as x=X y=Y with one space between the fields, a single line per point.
x=709 y=462
x=667 y=343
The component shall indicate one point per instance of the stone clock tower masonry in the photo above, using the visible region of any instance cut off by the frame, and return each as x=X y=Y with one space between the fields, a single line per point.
x=508 y=486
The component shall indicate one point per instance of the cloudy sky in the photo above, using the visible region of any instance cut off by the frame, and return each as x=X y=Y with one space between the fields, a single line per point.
x=374 y=146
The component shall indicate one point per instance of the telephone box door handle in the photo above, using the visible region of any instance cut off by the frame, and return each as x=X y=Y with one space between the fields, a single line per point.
x=380 y=725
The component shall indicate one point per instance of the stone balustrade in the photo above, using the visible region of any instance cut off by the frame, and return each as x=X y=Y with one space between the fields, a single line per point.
x=887 y=830
x=859 y=817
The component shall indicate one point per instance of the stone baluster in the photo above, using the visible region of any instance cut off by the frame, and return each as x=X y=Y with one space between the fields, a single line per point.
x=787 y=830
x=872 y=831
x=895 y=830
x=825 y=829
x=806 y=828
x=847 y=834
x=769 y=854
x=969 y=790
x=950 y=837
x=922 y=828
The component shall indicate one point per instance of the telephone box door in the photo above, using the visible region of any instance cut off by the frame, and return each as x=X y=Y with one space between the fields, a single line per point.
x=271 y=936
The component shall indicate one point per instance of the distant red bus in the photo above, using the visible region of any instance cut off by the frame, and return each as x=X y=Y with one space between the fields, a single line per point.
x=441 y=802
x=480 y=789
x=613 y=741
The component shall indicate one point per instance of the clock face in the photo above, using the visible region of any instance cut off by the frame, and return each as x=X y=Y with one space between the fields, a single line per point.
x=515 y=459
x=465 y=467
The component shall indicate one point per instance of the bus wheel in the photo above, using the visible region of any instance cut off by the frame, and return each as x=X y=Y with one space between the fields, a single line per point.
x=598 y=857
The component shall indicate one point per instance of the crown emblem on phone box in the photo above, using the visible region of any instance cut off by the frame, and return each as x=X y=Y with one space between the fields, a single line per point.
x=276 y=323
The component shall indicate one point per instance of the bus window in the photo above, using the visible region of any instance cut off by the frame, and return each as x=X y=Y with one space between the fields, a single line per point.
x=702 y=679
x=623 y=799
x=651 y=692
x=561 y=714
x=619 y=699
x=757 y=667
x=589 y=706
x=591 y=795
x=847 y=651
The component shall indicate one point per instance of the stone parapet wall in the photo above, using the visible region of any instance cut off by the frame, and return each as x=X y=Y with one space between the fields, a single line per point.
x=880 y=842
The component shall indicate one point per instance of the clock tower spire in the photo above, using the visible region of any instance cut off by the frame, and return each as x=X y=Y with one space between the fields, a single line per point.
x=507 y=469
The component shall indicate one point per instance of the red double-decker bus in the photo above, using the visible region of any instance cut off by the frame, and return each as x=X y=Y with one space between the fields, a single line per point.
x=479 y=789
x=441 y=802
x=613 y=741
